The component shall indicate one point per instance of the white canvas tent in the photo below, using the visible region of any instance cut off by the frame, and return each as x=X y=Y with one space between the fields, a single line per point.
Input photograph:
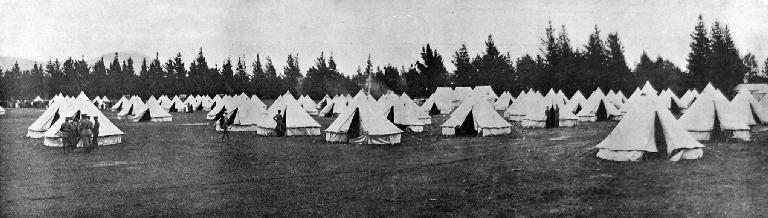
x=297 y=121
x=647 y=128
x=308 y=104
x=486 y=92
x=250 y=116
x=712 y=114
x=362 y=124
x=119 y=105
x=503 y=102
x=547 y=114
x=108 y=133
x=443 y=101
x=2 y=111
x=130 y=107
x=151 y=111
x=475 y=116
x=599 y=110
x=752 y=112
x=396 y=112
x=48 y=118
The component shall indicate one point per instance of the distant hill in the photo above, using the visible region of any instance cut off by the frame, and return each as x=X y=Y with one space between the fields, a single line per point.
x=25 y=64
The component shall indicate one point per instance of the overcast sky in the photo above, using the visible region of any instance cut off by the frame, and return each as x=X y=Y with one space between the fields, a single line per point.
x=392 y=32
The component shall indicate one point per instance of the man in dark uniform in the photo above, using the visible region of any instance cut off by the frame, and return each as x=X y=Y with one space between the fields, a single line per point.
x=224 y=126
x=86 y=131
x=95 y=131
x=280 y=128
x=68 y=131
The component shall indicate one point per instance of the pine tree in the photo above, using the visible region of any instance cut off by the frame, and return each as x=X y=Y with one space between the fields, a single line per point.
x=227 y=78
x=114 y=73
x=292 y=74
x=493 y=68
x=198 y=71
x=241 y=77
x=595 y=57
x=616 y=65
x=432 y=70
x=54 y=70
x=258 y=79
x=698 y=65
x=465 y=72
x=725 y=64
x=98 y=86
x=753 y=73
x=275 y=86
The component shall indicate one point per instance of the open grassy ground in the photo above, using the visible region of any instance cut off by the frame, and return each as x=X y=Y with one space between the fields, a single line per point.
x=167 y=169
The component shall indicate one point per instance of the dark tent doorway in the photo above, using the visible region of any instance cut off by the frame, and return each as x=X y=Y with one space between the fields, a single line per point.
x=602 y=113
x=578 y=109
x=659 y=139
x=434 y=110
x=146 y=117
x=467 y=128
x=673 y=107
x=173 y=108
x=354 y=130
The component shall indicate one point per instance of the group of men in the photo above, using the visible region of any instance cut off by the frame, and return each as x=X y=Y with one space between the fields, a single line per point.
x=224 y=124
x=83 y=130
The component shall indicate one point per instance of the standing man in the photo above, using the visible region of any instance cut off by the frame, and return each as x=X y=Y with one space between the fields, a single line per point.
x=95 y=131
x=86 y=131
x=224 y=127
x=67 y=131
x=280 y=128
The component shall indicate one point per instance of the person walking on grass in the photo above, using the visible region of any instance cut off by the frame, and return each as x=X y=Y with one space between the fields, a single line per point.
x=86 y=131
x=224 y=127
x=95 y=139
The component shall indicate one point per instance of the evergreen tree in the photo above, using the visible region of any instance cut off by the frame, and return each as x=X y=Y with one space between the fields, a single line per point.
x=753 y=73
x=227 y=78
x=292 y=74
x=275 y=87
x=725 y=64
x=198 y=70
x=99 y=80
x=115 y=80
x=616 y=66
x=465 y=72
x=128 y=76
x=54 y=70
x=432 y=70
x=595 y=58
x=698 y=65
x=259 y=80
x=241 y=79
x=493 y=68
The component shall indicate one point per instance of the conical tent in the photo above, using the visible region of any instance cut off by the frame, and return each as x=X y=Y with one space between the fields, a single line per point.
x=397 y=113
x=688 y=98
x=308 y=104
x=672 y=102
x=151 y=112
x=520 y=108
x=547 y=114
x=577 y=103
x=475 y=116
x=649 y=128
x=335 y=106
x=108 y=133
x=131 y=107
x=362 y=124
x=712 y=114
x=174 y=105
x=503 y=102
x=324 y=101
x=249 y=116
x=411 y=106
x=119 y=105
x=225 y=105
x=486 y=92
x=601 y=110
x=751 y=112
x=297 y=121
x=48 y=118
x=443 y=101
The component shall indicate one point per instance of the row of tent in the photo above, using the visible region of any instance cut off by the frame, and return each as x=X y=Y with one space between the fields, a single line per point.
x=649 y=125
x=47 y=126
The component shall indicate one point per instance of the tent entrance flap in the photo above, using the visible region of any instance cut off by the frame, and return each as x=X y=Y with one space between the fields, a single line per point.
x=659 y=137
x=434 y=110
x=602 y=114
x=673 y=107
x=354 y=130
x=173 y=108
x=717 y=133
x=146 y=117
x=467 y=128
x=231 y=120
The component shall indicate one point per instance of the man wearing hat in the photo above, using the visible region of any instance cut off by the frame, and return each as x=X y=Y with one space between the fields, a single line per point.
x=86 y=131
x=69 y=134
x=95 y=132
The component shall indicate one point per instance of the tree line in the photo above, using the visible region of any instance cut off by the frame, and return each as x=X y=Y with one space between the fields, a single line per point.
x=558 y=64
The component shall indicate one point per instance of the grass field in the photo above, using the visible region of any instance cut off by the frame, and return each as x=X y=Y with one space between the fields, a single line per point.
x=167 y=169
